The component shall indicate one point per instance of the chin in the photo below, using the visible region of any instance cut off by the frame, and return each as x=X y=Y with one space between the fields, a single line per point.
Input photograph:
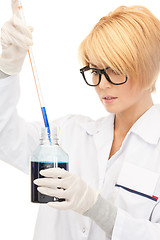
x=114 y=109
x=110 y=108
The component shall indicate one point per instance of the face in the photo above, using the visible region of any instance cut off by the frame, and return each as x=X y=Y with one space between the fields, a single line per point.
x=119 y=98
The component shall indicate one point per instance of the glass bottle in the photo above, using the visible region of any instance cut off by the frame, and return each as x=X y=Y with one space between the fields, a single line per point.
x=47 y=155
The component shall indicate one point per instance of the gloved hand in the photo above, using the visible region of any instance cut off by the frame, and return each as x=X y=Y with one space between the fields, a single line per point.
x=16 y=38
x=79 y=196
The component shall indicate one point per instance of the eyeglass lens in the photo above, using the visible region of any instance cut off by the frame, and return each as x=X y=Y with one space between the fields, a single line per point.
x=92 y=76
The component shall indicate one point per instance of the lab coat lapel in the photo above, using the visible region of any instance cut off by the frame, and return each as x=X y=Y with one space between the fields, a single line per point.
x=103 y=141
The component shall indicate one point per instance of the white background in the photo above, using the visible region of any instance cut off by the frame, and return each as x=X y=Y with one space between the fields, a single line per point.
x=59 y=27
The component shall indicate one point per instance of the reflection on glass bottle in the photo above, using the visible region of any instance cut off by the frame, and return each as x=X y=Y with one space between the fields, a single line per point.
x=47 y=155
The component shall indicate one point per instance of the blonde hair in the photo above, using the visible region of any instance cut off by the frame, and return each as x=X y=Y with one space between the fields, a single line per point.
x=127 y=40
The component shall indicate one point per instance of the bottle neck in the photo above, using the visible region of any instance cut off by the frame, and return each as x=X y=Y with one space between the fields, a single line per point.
x=44 y=139
x=47 y=142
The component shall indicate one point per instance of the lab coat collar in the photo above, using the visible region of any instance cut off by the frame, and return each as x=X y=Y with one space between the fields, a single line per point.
x=93 y=127
x=147 y=126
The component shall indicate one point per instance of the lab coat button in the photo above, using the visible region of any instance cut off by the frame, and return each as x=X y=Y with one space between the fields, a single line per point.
x=83 y=230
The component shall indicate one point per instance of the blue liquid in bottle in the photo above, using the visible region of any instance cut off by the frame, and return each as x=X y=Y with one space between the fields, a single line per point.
x=47 y=155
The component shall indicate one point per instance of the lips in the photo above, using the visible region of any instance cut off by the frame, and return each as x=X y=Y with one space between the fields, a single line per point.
x=108 y=97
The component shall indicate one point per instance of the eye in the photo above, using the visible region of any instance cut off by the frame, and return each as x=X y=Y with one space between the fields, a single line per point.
x=94 y=71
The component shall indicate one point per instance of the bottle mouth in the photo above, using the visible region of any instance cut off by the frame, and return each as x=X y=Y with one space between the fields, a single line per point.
x=44 y=137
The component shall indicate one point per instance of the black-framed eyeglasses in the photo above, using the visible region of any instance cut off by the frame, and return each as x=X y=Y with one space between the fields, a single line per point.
x=92 y=76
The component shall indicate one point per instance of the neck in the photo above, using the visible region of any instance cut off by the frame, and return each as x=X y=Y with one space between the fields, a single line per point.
x=125 y=120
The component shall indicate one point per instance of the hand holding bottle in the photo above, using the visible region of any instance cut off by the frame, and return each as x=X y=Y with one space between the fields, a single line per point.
x=16 y=38
x=62 y=184
x=46 y=155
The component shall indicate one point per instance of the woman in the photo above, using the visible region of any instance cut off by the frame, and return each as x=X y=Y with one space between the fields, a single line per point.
x=113 y=188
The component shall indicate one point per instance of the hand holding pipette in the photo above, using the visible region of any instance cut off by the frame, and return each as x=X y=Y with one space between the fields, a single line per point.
x=16 y=39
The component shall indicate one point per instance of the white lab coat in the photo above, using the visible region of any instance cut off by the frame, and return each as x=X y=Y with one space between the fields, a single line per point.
x=130 y=179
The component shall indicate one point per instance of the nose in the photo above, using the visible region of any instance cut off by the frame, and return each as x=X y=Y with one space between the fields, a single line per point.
x=104 y=82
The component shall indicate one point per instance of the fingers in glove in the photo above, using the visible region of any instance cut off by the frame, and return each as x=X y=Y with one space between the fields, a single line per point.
x=58 y=193
x=10 y=35
x=20 y=26
x=50 y=183
x=15 y=8
x=55 y=173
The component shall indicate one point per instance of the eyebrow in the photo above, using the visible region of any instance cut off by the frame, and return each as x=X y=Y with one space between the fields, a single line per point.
x=93 y=65
x=96 y=66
